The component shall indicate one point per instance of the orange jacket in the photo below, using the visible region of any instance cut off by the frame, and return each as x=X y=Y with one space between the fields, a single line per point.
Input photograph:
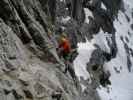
x=65 y=45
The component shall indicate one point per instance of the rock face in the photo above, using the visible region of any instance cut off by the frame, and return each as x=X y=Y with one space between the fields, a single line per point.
x=30 y=68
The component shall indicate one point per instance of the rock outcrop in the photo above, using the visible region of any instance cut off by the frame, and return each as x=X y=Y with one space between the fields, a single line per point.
x=30 y=68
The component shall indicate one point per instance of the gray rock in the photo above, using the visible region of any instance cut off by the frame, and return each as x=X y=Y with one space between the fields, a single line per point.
x=26 y=47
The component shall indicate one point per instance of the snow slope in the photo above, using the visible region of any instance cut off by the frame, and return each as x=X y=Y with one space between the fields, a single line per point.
x=122 y=88
x=121 y=66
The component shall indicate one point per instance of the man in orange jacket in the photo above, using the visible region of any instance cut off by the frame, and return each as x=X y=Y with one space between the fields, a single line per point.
x=65 y=52
x=64 y=47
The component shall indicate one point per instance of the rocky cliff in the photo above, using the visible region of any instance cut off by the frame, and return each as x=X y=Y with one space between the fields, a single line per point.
x=30 y=68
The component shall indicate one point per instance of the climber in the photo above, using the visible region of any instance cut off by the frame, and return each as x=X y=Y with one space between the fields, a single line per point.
x=64 y=47
x=65 y=52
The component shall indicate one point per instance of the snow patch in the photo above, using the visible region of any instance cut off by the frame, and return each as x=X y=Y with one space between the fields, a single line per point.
x=87 y=14
x=103 y=6
x=66 y=19
x=83 y=87
x=62 y=0
x=120 y=89
x=85 y=50
x=129 y=3
x=100 y=40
